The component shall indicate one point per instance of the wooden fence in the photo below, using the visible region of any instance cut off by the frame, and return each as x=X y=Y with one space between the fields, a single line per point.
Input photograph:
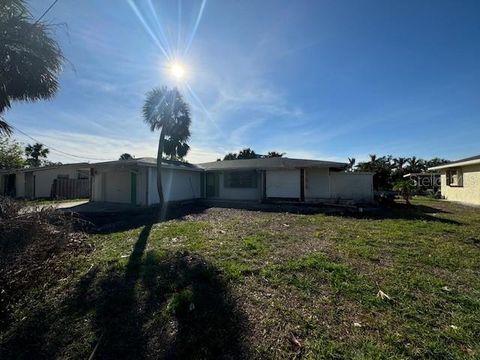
x=70 y=188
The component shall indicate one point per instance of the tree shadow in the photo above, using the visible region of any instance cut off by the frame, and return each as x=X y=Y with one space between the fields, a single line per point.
x=159 y=305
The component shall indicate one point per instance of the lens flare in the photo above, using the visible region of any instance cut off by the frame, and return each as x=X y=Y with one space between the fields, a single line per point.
x=177 y=70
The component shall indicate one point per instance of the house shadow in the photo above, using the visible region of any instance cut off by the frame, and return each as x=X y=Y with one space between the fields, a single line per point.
x=159 y=306
x=402 y=211
x=125 y=220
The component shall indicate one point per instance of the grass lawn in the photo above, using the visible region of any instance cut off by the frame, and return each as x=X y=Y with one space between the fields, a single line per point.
x=227 y=283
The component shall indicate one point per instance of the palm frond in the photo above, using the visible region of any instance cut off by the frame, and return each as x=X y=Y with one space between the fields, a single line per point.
x=5 y=129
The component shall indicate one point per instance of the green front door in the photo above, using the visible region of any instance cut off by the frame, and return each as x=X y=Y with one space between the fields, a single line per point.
x=133 y=188
x=213 y=183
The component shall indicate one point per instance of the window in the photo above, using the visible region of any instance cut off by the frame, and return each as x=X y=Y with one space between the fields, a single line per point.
x=83 y=174
x=455 y=177
x=240 y=179
x=62 y=176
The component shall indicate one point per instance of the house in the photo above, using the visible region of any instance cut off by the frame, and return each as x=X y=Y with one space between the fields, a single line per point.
x=255 y=180
x=69 y=180
x=134 y=181
x=460 y=180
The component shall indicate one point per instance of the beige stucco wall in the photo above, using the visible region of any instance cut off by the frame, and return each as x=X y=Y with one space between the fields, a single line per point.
x=352 y=186
x=177 y=185
x=44 y=180
x=283 y=183
x=326 y=185
x=317 y=184
x=470 y=192
x=20 y=184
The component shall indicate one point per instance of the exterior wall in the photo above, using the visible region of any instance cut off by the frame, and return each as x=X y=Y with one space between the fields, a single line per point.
x=317 y=184
x=98 y=192
x=117 y=186
x=357 y=187
x=44 y=180
x=177 y=185
x=469 y=193
x=20 y=184
x=283 y=183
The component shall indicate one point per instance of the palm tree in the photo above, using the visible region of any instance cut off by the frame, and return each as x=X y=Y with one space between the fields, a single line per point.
x=30 y=60
x=176 y=146
x=231 y=156
x=399 y=163
x=272 y=154
x=351 y=163
x=405 y=188
x=34 y=154
x=165 y=110
x=125 y=156
x=415 y=165
x=247 y=154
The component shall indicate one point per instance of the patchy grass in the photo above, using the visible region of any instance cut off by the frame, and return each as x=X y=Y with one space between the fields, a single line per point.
x=230 y=283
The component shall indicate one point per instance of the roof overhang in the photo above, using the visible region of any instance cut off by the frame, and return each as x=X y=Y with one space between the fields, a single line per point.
x=456 y=164
x=133 y=165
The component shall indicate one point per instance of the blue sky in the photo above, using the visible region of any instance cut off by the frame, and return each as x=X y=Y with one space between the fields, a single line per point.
x=317 y=79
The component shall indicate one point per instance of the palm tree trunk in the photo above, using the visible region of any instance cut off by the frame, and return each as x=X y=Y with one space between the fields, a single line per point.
x=159 y=168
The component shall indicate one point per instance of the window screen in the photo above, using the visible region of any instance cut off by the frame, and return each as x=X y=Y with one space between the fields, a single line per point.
x=240 y=179
x=454 y=177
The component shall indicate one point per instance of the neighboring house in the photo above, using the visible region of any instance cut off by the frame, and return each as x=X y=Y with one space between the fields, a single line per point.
x=47 y=181
x=270 y=179
x=460 y=180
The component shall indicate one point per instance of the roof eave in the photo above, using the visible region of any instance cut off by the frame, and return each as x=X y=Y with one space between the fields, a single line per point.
x=456 y=164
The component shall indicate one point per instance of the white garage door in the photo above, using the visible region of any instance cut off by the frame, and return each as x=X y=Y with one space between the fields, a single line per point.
x=283 y=183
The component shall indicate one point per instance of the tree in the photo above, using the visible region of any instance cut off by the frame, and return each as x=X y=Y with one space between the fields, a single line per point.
x=382 y=169
x=30 y=60
x=351 y=164
x=399 y=163
x=10 y=154
x=175 y=148
x=247 y=153
x=165 y=110
x=273 y=154
x=416 y=165
x=435 y=162
x=125 y=156
x=230 y=156
x=35 y=154
x=405 y=188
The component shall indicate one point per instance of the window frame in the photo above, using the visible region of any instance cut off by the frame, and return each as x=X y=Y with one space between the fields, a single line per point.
x=240 y=182
x=456 y=174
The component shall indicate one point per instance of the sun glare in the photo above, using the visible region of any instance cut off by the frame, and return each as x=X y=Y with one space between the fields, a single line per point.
x=177 y=70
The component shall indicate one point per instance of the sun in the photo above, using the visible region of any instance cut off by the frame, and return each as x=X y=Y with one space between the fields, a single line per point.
x=177 y=70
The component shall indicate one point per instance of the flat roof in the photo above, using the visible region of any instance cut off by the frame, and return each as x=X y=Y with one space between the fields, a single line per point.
x=422 y=174
x=148 y=162
x=473 y=160
x=270 y=163
x=41 y=168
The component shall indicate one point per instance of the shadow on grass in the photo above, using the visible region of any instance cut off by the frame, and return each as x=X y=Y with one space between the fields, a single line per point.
x=403 y=212
x=160 y=305
x=105 y=223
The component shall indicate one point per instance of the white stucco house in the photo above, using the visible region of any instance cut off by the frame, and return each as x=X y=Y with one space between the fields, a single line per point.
x=255 y=180
x=134 y=181
x=34 y=183
x=460 y=180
